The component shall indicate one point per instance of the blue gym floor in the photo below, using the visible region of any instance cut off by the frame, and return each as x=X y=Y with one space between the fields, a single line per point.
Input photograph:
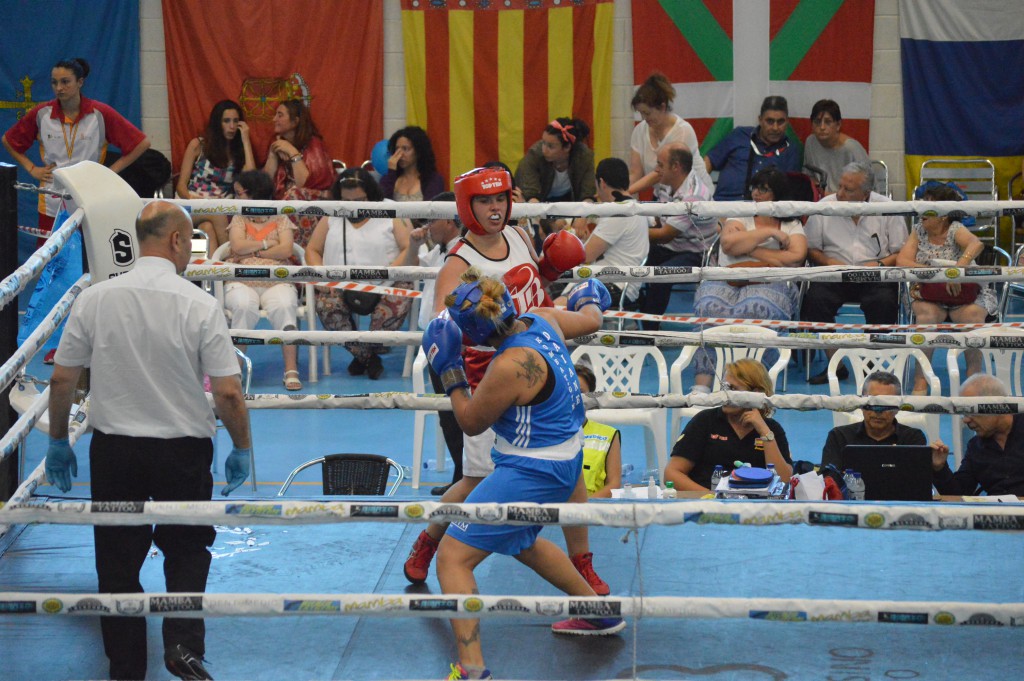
x=688 y=560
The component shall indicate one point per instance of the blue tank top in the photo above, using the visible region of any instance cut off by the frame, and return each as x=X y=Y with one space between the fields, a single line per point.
x=558 y=418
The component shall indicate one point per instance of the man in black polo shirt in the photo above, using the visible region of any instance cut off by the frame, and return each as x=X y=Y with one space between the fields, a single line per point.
x=994 y=460
x=879 y=426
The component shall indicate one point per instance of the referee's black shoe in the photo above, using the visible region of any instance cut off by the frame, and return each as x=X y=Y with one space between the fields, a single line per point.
x=184 y=664
x=842 y=373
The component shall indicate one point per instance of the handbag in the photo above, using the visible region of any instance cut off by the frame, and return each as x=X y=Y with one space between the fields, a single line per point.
x=937 y=293
x=357 y=302
x=739 y=283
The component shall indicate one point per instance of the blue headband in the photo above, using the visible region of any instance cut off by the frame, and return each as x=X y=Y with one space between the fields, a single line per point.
x=474 y=327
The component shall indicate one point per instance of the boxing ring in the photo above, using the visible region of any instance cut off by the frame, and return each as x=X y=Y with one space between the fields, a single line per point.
x=701 y=599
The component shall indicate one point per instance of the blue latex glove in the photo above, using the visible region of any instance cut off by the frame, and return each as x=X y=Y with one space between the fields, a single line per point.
x=590 y=292
x=61 y=464
x=442 y=344
x=236 y=469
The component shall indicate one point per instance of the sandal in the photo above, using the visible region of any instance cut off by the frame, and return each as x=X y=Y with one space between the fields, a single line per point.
x=291 y=380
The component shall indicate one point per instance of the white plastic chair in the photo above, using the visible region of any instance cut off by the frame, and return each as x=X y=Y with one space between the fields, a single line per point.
x=307 y=305
x=1006 y=365
x=619 y=369
x=420 y=381
x=723 y=356
x=864 y=362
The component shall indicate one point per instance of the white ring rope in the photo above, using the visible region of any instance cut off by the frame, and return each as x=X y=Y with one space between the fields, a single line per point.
x=38 y=338
x=637 y=514
x=35 y=231
x=202 y=269
x=459 y=606
x=665 y=339
x=845 y=403
x=358 y=210
x=16 y=282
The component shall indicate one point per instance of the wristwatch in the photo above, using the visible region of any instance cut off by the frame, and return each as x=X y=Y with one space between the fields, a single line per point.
x=296 y=157
x=768 y=437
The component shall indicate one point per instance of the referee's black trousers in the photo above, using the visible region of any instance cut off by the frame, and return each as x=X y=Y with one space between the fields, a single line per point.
x=127 y=468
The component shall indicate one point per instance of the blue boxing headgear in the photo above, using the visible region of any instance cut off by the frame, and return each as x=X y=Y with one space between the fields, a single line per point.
x=477 y=329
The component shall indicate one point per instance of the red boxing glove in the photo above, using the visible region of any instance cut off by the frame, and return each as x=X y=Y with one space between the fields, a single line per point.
x=561 y=252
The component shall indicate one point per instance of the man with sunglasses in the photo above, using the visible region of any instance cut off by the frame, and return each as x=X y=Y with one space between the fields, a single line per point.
x=749 y=149
x=879 y=426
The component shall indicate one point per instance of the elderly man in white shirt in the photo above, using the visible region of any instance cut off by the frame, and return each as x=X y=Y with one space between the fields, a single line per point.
x=681 y=239
x=148 y=337
x=871 y=240
x=429 y=244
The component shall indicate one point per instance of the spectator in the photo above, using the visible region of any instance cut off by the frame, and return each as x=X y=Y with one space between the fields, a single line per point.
x=602 y=447
x=559 y=167
x=148 y=336
x=681 y=239
x=939 y=239
x=879 y=426
x=658 y=127
x=299 y=163
x=621 y=242
x=748 y=149
x=865 y=240
x=720 y=436
x=70 y=129
x=829 y=149
x=761 y=241
x=379 y=242
x=429 y=243
x=263 y=241
x=994 y=460
x=412 y=171
x=213 y=162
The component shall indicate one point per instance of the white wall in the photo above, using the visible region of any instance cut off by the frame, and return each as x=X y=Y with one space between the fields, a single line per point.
x=886 y=141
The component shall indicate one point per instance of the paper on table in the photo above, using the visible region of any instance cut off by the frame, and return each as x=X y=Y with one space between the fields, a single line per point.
x=994 y=498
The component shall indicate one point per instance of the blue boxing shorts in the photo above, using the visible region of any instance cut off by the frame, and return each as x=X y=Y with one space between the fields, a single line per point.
x=517 y=478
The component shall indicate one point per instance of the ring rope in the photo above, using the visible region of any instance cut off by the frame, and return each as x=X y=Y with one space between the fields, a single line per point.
x=20 y=359
x=359 y=210
x=202 y=269
x=34 y=189
x=17 y=280
x=748 y=400
x=665 y=339
x=34 y=231
x=279 y=511
x=478 y=606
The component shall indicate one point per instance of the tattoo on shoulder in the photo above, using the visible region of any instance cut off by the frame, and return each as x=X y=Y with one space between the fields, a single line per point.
x=530 y=369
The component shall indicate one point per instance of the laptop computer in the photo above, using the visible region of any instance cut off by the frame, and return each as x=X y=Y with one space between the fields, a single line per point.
x=892 y=472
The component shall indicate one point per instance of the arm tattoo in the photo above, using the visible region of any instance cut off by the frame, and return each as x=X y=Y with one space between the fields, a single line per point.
x=472 y=637
x=531 y=370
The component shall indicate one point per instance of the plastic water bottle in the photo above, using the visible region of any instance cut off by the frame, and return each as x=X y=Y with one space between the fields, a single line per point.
x=652 y=473
x=652 y=488
x=716 y=477
x=627 y=470
x=771 y=469
x=670 y=490
x=858 y=487
x=848 y=478
x=627 y=489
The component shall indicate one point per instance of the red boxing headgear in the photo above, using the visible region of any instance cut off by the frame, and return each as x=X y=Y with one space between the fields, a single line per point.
x=480 y=182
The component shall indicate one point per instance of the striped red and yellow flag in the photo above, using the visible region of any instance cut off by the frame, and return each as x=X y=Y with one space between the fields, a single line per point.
x=483 y=77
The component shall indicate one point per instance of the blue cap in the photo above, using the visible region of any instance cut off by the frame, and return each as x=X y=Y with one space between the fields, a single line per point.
x=474 y=327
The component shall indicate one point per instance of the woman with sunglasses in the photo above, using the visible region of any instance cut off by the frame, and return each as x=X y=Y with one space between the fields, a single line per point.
x=724 y=435
x=760 y=241
x=299 y=163
x=213 y=161
x=373 y=242
x=942 y=240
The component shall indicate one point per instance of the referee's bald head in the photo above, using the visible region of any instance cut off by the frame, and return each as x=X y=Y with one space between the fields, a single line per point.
x=159 y=218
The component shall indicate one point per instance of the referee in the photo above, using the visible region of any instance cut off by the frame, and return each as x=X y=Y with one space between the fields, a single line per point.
x=149 y=336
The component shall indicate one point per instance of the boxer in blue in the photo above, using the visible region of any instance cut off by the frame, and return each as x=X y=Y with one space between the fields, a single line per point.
x=531 y=397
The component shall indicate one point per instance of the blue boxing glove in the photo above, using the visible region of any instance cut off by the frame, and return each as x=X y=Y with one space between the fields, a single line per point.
x=236 y=469
x=590 y=292
x=442 y=344
x=61 y=463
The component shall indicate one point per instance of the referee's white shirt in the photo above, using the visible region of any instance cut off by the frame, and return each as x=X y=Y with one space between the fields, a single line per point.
x=149 y=336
